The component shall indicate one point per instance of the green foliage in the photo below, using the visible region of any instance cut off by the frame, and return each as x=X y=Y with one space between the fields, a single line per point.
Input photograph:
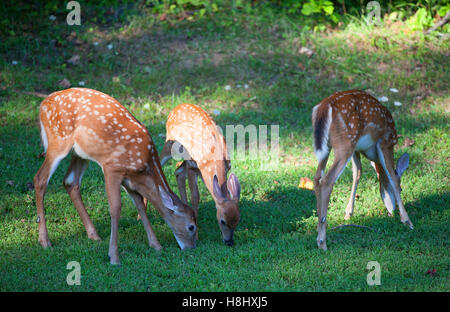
x=324 y=8
x=421 y=20
x=189 y=9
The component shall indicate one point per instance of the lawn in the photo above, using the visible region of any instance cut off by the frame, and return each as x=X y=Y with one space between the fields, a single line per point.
x=245 y=69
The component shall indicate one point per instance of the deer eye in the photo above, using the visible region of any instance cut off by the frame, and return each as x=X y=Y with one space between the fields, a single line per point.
x=223 y=222
x=191 y=228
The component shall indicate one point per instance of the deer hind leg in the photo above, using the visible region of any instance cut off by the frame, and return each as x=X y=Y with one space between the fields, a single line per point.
x=41 y=179
x=72 y=181
x=138 y=201
x=181 y=174
x=317 y=182
x=386 y=159
x=342 y=157
x=356 y=168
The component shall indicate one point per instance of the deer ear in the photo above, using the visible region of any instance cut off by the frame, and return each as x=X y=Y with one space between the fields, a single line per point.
x=402 y=164
x=217 y=190
x=234 y=187
x=167 y=200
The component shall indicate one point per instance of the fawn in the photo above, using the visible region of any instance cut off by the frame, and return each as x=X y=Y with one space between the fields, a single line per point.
x=190 y=128
x=353 y=123
x=98 y=128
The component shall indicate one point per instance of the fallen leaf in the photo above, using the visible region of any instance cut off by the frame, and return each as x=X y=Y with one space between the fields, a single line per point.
x=305 y=50
x=163 y=17
x=64 y=83
x=306 y=183
x=276 y=182
x=74 y=60
x=300 y=65
x=72 y=36
x=408 y=142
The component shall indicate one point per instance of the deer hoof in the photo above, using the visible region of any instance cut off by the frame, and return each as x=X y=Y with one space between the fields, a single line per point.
x=322 y=244
x=45 y=243
x=409 y=224
x=114 y=260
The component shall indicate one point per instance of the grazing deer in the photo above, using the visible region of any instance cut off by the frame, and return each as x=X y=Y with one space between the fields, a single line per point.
x=353 y=123
x=190 y=128
x=97 y=127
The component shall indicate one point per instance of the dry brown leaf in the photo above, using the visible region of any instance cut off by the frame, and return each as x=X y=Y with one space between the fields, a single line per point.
x=74 y=60
x=306 y=183
x=408 y=142
x=64 y=83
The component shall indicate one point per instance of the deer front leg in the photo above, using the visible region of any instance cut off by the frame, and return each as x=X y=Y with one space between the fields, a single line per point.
x=112 y=184
x=193 y=186
x=166 y=153
x=139 y=203
x=181 y=174
x=356 y=168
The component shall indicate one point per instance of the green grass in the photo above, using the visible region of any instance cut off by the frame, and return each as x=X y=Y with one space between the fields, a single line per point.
x=155 y=66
